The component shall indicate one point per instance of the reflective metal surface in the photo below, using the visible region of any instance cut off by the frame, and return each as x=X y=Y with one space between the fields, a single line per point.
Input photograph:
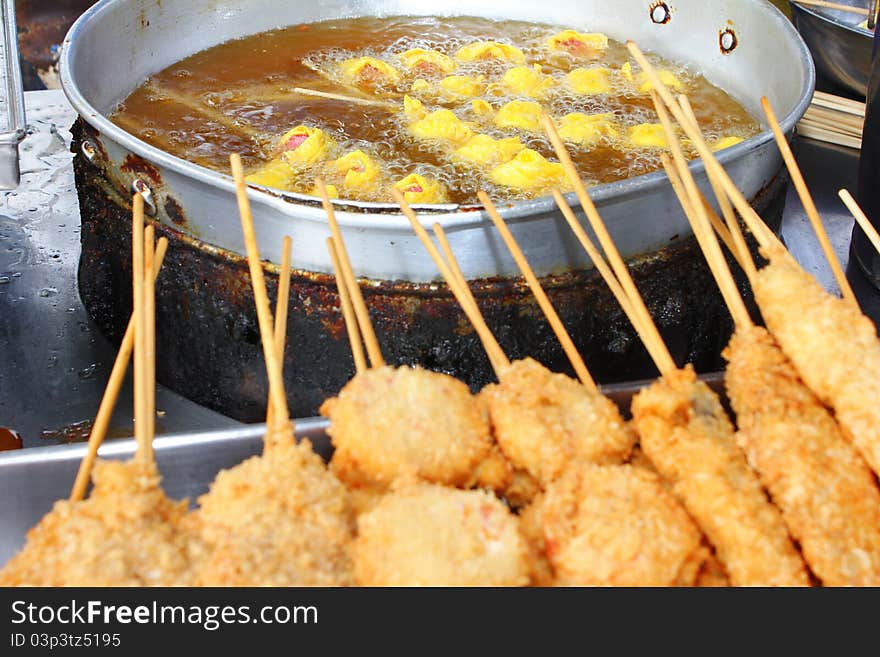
x=118 y=43
x=12 y=114
x=53 y=362
x=841 y=49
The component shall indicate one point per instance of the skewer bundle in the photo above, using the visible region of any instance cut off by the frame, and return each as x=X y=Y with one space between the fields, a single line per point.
x=834 y=120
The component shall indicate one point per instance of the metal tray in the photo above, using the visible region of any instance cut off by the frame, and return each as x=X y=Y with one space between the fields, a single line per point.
x=32 y=479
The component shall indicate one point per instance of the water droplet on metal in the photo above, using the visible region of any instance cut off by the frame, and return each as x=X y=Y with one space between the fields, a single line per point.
x=87 y=372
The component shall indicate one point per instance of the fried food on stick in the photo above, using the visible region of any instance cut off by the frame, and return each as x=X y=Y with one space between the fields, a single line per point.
x=279 y=519
x=617 y=526
x=827 y=494
x=544 y=422
x=126 y=533
x=391 y=422
x=831 y=343
x=686 y=434
x=428 y=535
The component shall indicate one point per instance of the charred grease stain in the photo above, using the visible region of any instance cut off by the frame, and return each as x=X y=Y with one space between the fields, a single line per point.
x=174 y=211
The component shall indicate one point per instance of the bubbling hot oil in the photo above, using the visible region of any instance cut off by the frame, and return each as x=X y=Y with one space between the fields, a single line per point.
x=236 y=97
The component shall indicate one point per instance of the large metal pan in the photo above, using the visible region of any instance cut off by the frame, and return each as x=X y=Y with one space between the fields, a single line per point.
x=748 y=48
x=840 y=48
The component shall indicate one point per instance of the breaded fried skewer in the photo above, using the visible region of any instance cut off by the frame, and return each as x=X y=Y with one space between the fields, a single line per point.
x=407 y=422
x=824 y=489
x=832 y=345
x=280 y=518
x=686 y=434
x=127 y=532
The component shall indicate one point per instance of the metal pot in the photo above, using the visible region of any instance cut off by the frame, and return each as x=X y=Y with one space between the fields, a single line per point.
x=748 y=48
x=840 y=48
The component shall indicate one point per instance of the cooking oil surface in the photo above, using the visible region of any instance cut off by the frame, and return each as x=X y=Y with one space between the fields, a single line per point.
x=452 y=100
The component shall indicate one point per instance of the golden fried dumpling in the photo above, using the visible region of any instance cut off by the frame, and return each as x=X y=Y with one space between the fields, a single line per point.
x=490 y=50
x=418 y=189
x=413 y=108
x=589 y=81
x=368 y=70
x=441 y=124
x=528 y=81
x=465 y=86
x=275 y=173
x=578 y=43
x=420 y=86
x=529 y=171
x=427 y=62
x=586 y=129
x=481 y=108
x=359 y=169
x=304 y=145
x=725 y=142
x=644 y=85
x=487 y=152
x=648 y=135
x=519 y=114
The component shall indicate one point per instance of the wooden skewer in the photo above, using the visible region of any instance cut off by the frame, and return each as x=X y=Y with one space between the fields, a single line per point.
x=111 y=393
x=831 y=101
x=150 y=340
x=828 y=136
x=452 y=261
x=496 y=354
x=696 y=214
x=574 y=357
x=351 y=326
x=807 y=200
x=861 y=218
x=657 y=352
x=833 y=5
x=277 y=396
x=740 y=249
x=137 y=275
x=214 y=115
x=281 y=309
x=348 y=99
x=461 y=281
x=759 y=229
x=357 y=299
x=648 y=330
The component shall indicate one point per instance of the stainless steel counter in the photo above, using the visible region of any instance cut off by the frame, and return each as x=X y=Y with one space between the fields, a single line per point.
x=54 y=363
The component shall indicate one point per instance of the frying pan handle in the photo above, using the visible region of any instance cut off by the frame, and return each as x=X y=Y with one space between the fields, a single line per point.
x=14 y=129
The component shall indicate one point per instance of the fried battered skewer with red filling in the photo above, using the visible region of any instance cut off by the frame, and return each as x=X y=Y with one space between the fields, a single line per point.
x=428 y=535
x=824 y=489
x=387 y=423
x=127 y=533
x=281 y=518
x=687 y=436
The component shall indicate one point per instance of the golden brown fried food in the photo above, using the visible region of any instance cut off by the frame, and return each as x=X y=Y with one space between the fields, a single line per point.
x=686 y=434
x=280 y=519
x=531 y=524
x=545 y=421
x=429 y=535
x=127 y=533
x=832 y=345
x=616 y=526
x=712 y=574
x=387 y=423
x=825 y=490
